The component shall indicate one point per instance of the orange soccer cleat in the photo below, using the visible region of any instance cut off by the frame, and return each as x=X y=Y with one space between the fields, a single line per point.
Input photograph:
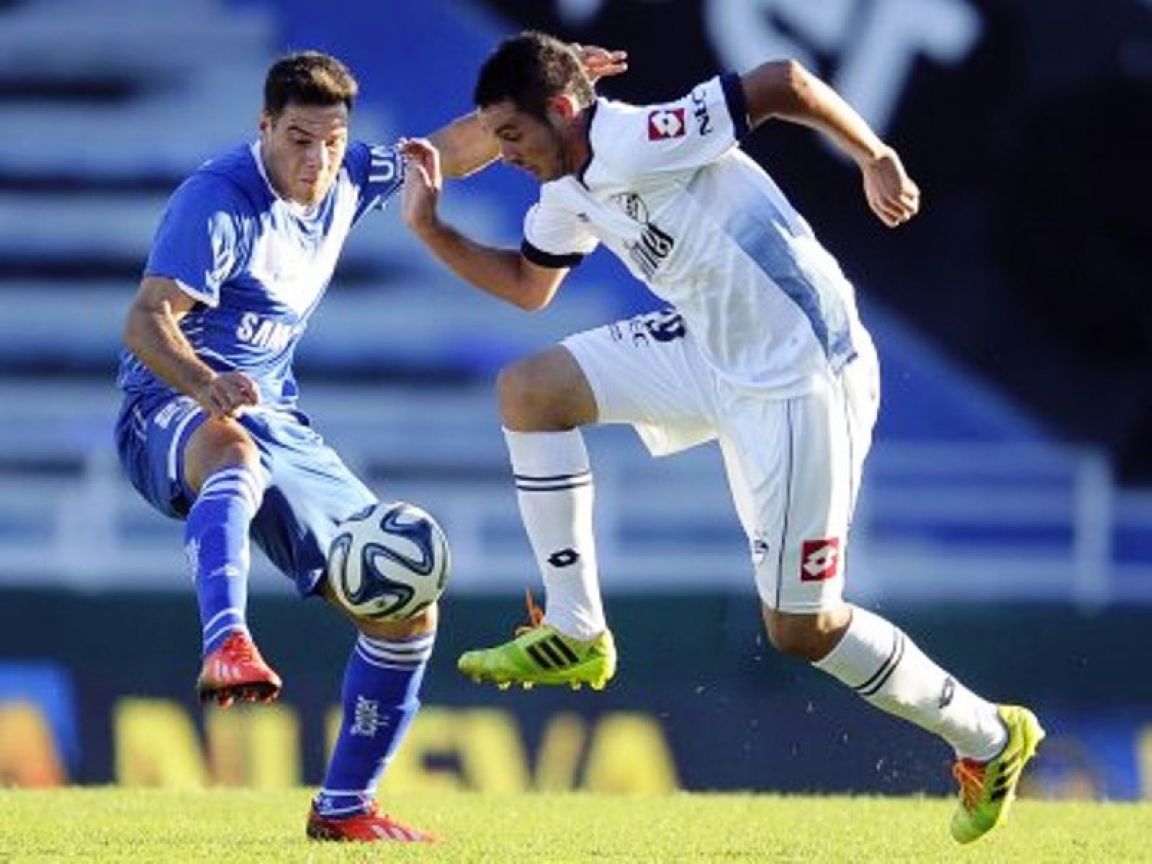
x=236 y=670
x=368 y=827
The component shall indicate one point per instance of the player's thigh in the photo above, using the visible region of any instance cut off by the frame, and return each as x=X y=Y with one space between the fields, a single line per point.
x=646 y=371
x=861 y=383
x=152 y=434
x=215 y=444
x=310 y=491
x=794 y=469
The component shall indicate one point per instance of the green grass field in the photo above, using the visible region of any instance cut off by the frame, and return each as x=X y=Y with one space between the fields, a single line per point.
x=110 y=824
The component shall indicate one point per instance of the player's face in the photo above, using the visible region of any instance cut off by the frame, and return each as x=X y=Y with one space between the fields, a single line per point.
x=303 y=148
x=534 y=145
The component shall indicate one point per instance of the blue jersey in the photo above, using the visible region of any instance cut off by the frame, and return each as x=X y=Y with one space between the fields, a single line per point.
x=256 y=263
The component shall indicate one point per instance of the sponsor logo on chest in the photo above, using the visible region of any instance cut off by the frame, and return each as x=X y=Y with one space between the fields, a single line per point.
x=654 y=245
x=264 y=333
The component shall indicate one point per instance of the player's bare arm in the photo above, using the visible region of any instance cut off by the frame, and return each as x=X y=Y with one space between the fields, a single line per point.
x=465 y=146
x=785 y=89
x=152 y=332
x=503 y=273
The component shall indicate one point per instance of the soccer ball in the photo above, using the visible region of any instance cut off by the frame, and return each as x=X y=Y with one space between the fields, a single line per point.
x=388 y=562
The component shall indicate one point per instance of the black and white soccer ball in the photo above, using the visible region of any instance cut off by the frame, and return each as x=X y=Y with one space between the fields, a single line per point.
x=388 y=562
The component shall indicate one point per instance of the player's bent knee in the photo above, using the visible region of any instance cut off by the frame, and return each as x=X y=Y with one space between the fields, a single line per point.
x=526 y=398
x=218 y=444
x=808 y=637
x=792 y=641
x=545 y=392
x=417 y=625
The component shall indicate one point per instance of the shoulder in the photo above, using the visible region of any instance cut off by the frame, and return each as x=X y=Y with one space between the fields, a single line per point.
x=374 y=163
x=661 y=139
x=626 y=138
x=219 y=200
x=612 y=128
x=229 y=181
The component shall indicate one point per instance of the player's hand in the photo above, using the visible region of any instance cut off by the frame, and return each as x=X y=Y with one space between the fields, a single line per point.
x=227 y=394
x=891 y=193
x=600 y=62
x=423 y=181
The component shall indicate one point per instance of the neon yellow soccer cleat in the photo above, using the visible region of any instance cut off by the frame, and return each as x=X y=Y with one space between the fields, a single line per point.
x=987 y=789
x=542 y=655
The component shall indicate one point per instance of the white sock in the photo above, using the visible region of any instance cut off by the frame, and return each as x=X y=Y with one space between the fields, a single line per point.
x=883 y=665
x=554 y=488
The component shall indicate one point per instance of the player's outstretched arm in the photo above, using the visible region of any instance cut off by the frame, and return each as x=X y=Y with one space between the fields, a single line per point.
x=503 y=273
x=785 y=89
x=152 y=332
x=465 y=146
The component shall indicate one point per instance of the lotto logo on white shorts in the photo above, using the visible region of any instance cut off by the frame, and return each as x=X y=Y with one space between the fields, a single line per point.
x=666 y=123
x=820 y=559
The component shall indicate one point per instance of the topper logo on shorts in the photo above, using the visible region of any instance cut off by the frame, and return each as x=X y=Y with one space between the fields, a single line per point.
x=666 y=123
x=820 y=559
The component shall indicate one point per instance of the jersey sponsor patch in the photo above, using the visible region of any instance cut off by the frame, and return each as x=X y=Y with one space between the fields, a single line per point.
x=820 y=559
x=664 y=123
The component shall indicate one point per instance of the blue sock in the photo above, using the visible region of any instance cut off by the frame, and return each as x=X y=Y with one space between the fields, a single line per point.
x=381 y=697
x=216 y=542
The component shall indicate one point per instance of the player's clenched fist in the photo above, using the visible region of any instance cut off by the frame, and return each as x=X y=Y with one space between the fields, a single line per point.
x=227 y=393
x=891 y=193
x=422 y=182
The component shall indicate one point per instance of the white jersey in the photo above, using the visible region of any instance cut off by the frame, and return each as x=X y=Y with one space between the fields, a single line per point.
x=668 y=190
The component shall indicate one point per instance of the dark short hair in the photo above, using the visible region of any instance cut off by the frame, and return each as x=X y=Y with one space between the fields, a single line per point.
x=530 y=68
x=308 y=78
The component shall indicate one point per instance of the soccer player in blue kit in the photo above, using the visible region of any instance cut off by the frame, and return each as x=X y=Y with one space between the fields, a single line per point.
x=209 y=430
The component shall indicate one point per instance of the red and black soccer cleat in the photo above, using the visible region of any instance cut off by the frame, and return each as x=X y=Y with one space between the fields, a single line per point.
x=234 y=671
x=369 y=827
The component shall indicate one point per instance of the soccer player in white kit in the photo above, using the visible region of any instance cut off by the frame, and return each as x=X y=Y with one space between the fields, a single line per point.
x=761 y=350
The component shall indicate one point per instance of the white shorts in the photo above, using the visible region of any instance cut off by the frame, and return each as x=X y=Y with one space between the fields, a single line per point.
x=793 y=465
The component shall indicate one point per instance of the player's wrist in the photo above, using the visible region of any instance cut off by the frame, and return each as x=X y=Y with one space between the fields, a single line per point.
x=200 y=387
x=876 y=154
x=428 y=228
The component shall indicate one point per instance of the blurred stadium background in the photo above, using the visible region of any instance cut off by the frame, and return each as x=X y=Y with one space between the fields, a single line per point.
x=1007 y=515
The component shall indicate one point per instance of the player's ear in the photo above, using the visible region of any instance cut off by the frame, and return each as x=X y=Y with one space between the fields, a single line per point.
x=564 y=106
x=265 y=122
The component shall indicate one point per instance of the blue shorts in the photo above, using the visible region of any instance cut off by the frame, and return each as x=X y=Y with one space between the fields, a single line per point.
x=310 y=490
